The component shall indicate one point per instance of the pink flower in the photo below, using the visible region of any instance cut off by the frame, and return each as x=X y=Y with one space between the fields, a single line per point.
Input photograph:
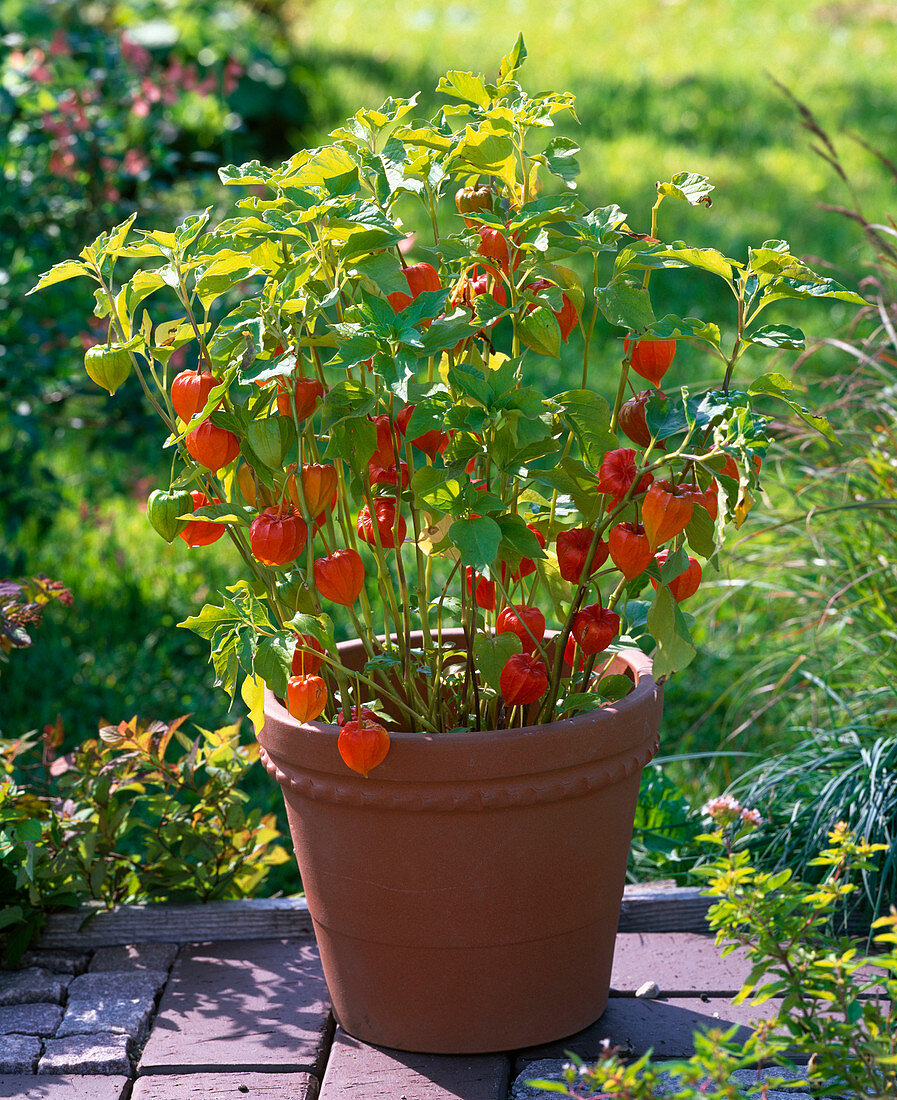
x=62 y=164
x=135 y=162
x=59 y=46
x=723 y=809
x=151 y=91
x=135 y=55
x=233 y=70
x=140 y=107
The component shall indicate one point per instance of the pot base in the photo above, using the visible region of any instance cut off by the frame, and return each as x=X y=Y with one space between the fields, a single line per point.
x=526 y=993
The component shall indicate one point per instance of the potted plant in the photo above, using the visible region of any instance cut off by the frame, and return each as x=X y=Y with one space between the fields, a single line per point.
x=371 y=419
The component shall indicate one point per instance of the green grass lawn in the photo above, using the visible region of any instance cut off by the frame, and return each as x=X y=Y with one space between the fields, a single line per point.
x=661 y=87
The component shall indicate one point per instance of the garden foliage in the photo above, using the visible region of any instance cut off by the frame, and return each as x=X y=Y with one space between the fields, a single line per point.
x=126 y=818
x=837 y=1009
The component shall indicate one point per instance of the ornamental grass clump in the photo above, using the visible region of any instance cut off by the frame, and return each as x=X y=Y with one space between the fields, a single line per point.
x=366 y=418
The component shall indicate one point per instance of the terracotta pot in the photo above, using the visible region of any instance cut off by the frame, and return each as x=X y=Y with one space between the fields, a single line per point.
x=465 y=896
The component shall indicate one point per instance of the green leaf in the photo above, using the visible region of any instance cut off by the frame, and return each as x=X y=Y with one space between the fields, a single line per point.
x=808 y=289
x=424 y=307
x=701 y=533
x=189 y=229
x=705 y=259
x=543 y=211
x=380 y=272
x=674 y=566
x=777 y=336
x=491 y=654
x=540 y=332
x=477 y=541
x=383 y=662
x=438 y=490
x=625 y=303
x=581 y=702
x=59 y=273
x=318 y=626
x=273 y=661
x=470 y=382
x=613 y=688
x=272 y=439
x=512 y=61
x=777 y=385
x=667 y=416
x=572 y=480
x=671 y=327
x=354 y=440
x=670 y=632
x=464 y=86
x=517 y=537
x=118 y=235
x=588 y=415
x=346 y=398
x=689 y=187
x=560 y=159
x=446 y=331
x=210 y=619
x=221 y=277
x=599 y=228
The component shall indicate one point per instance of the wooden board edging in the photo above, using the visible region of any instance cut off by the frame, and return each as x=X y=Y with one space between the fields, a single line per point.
x=645 y=908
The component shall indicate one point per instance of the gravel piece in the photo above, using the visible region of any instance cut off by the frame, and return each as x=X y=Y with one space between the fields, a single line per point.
x=648 y=991
x=19 y=1053
x=34 y=1019
x=104 y=1054
x=135 y=957
x=32 y=986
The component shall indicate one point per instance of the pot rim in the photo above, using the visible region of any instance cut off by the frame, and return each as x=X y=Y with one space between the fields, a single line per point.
x=612 y=732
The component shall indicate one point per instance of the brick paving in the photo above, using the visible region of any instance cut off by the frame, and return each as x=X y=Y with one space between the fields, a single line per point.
x=252 y=1019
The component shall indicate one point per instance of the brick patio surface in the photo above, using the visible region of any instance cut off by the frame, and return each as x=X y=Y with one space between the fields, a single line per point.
x=252 y=1019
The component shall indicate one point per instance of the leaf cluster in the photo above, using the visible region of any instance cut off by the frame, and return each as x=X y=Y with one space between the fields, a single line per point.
x=144 y=812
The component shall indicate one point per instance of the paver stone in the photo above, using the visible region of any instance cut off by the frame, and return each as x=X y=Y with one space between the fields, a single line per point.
x=242 y=1006
x=135 y=957
x=681 y=963
x=35 y=1019
x=19 y=1053
x=115 y=1002
x=666 y=1027
x=62 y=1088
x=32 y=986
x=61 y=962
x=88 y=1054
x=552 y=1069
x=358 y=1069
x=229 y=1086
